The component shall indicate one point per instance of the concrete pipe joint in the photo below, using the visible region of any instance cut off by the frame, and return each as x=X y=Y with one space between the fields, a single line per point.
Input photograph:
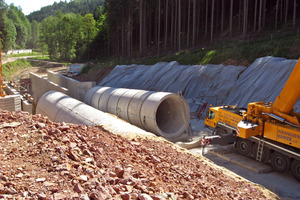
x=163 y=113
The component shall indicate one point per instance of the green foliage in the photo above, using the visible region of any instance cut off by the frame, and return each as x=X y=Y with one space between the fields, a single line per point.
x=10 y=69
x=76 y=6
x=19 y=24
x=66 y=36
x=2 y=22
x=48 y=37
x=34 y=37
x=241 y=53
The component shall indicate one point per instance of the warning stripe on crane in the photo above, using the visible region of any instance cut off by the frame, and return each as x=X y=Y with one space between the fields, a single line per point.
x=238 y=131
x=205 y=142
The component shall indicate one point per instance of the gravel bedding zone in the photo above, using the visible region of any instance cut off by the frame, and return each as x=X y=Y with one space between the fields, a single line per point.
x=41 y=159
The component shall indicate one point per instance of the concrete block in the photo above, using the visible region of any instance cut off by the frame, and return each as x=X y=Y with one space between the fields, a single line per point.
x=27 y=106
x=41 y=85
x=11 y=103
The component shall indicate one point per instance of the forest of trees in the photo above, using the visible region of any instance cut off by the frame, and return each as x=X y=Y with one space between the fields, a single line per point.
x=76 y=6
x=88 y=29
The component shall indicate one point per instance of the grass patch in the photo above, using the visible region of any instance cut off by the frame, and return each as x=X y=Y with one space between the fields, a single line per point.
x=10 y=69
x=24 y=54
x=46 y=58
x=278 y=44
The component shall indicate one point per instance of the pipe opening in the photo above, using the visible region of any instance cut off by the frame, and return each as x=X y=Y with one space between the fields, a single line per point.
x=169 y=115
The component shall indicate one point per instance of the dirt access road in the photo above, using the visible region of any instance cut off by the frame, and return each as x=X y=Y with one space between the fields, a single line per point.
x=42 y=67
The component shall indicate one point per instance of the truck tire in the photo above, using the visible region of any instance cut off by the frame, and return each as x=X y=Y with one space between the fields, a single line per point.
x=243 y=146
x=296 y=169
x=266 y=153
x=280 y=162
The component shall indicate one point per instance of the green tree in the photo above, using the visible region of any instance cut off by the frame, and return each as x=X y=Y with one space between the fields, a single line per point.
x=48 y=36
x=22 y=26
x=2 y=23
x=70 y=30
x=88 y=27
x=34 y=37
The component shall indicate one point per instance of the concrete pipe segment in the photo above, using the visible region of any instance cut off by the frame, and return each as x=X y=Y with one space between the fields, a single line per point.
x=60 y=107
x=163 y=113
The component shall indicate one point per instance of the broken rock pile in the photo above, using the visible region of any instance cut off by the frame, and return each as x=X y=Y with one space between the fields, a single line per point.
x=41 y=159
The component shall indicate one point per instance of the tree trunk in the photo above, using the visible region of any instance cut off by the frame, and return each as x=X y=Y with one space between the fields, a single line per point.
x=141 y=27
x=294 y=16
x=230 y=20
x=123 y=36
x=166 y=25
x=260 y=15
x=206 y=19
x=144 y=29
x=245 y=19
x=264 y=14
x=194 y=22
x=222 y=20
x=281 y=11
x=158 y=28
x=172 y=23
x=286 y=11
x=175 y=24
x=188 y=25
x=255 y=14
x=179 y=25
x=276 y=16
x=212 y=21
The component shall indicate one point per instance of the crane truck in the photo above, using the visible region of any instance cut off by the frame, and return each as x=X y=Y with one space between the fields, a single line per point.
x=268 y=132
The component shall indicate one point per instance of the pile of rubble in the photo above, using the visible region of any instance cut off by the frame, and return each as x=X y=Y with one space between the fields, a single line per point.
x=41 y=159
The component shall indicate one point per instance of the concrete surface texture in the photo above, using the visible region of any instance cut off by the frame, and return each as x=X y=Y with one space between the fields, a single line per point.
x=60 y=107
x=215 y=84
x=11 y=103
x=25 y=104
x=76 y=89
x=41 y=85
x=165 y=114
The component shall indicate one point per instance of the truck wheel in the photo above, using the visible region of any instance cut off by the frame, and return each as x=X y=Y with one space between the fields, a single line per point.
x=280 y=162
x=296 y=169
x=265 y=156
x=244 y=146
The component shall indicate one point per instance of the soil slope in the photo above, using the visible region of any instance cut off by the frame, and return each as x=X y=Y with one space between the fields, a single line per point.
x=41 y=159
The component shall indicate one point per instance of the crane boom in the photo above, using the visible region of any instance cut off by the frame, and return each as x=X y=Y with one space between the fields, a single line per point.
x=290 y=93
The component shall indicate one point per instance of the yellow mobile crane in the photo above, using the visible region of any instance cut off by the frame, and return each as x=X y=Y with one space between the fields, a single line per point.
x=269 y=132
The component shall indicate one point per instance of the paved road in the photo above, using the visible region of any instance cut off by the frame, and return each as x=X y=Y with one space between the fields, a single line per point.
x=282 y=184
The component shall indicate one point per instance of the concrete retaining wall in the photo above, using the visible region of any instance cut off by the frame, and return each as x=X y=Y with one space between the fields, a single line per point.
x=41 y=85
x=76 y=89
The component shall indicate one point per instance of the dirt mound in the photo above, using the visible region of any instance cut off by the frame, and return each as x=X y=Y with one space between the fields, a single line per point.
x=96 y=75
x=45 y=160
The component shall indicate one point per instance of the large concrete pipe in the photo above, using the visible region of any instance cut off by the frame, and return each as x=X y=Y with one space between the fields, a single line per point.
x=60 y=107
x=165 y=114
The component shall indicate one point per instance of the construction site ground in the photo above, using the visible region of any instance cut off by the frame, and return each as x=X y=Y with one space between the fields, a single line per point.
x=283 y=184
x=46 y=160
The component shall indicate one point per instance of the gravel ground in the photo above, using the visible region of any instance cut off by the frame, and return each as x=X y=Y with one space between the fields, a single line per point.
x=41 y=159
